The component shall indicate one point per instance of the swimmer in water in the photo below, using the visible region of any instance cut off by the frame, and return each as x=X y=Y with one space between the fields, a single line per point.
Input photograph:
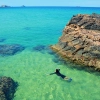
x=57 y=72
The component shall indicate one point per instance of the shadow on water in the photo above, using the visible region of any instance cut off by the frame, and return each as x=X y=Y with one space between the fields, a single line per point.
x=60 y=61
x=69 y=64
x=57 y=59
x=15 y=89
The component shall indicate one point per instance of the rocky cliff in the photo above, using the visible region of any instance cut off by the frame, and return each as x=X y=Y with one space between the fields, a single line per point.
x=80 y=41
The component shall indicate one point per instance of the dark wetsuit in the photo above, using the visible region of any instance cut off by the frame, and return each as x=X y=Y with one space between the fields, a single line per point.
x=58 y=73
x=61 y=75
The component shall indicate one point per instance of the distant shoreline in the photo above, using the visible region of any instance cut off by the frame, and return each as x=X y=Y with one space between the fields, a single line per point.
x=47 y=7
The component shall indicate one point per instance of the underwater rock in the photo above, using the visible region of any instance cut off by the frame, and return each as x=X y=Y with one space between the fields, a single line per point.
x=39 y=48
x=80 y=41
x=27 y=28
x=43 y=49
x=49 y=51
x=2 y=40
x=7 y=88
x=10 y=49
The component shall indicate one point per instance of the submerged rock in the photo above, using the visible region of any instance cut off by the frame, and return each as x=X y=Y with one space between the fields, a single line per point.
x=7 y=88
x=2 y=40
x=10 y=49
x=80 y=41
x=43 y=49
x=39 y=48
x=27 y=28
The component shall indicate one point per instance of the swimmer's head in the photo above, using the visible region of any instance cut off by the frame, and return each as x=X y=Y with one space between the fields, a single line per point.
x=57 y=69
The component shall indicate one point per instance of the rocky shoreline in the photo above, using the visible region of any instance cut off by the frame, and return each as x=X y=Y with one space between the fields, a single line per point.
x=80 y=41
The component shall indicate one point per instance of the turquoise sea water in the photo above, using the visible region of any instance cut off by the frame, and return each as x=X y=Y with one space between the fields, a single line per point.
x=36 y=26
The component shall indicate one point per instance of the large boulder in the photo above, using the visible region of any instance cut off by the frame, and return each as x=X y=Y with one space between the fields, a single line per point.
x=10 y=49
x=80 y=40
x=7 y=88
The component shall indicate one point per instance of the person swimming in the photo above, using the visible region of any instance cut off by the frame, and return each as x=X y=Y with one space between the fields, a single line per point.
x=57 y=72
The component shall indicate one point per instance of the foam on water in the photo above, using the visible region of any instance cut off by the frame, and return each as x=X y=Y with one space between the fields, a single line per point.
x=32 y=27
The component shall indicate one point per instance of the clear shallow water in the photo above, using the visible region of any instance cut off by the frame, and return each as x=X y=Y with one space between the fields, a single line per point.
x=43 y=26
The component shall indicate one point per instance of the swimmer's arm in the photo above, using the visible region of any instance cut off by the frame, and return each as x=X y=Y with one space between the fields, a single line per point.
x=51 y=73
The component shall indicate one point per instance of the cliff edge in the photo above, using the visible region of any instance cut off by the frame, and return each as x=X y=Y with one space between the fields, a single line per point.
x=80 y=41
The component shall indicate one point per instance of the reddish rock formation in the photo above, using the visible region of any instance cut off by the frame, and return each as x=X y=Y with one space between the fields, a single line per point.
x=80 y=41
